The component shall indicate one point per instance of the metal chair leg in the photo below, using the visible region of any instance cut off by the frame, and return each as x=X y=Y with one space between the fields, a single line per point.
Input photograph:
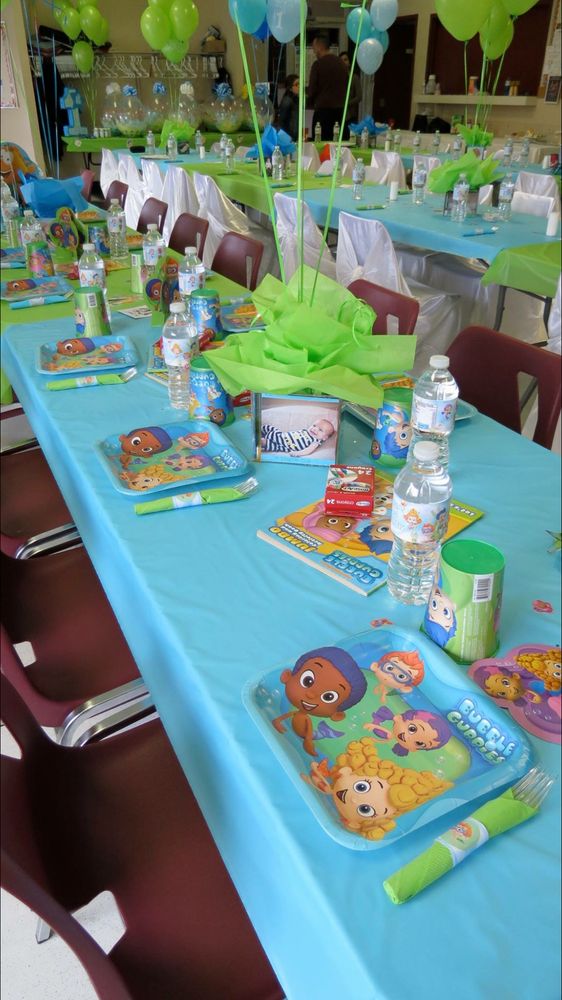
x=42 y=931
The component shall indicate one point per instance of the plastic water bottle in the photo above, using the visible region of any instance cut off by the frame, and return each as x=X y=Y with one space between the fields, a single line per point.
x=318 y=132
x=397 y=141
x=31 y=230
x=229 y=151
x=420 y=513
x=189 y=273
x=388 y=142
x=365 y=138
x=436 y=142
x=434 y=406
x=336 y=133
x=277 y=165
x=152 y=245
x=457 y=147
x=11 y=218
x=358 y=179
x=117 y=229
x=199 y=141
x=419 y=179
x=179 y=345
x=461 y=191
x=172 y=147
x=507 y=187
x=507 y=153
x=150 y=143
x=524 y=154
x=417 y=142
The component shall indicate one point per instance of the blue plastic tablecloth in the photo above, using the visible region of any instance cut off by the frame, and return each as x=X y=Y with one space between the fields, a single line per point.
x=425 y=225
x=205 y=606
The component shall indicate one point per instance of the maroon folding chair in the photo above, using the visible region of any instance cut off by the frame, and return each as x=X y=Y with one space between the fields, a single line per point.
x=387 y=303
x=239 y=257
x=189 y=231
x=88 y=178
x=32 y=508
x=83 y=666
x=120 y=816
x=117 y=189
x=155 y=211
x=486 y=364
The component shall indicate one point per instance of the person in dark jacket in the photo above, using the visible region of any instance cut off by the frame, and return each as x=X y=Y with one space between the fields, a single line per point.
x=356 y=91
x=327 y=88
x=288 y=115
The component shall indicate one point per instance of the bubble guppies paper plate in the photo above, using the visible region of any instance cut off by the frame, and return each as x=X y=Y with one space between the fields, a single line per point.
x=86 y=354
x=152 y=459
x=381 y=733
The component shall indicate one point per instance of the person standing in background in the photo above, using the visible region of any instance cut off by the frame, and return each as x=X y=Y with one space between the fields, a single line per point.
x=288 y=115
x=327 y=87
x=355 y=95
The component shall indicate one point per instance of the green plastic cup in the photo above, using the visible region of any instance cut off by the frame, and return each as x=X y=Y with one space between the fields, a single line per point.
x=463 y=611
x=393 y=432
x=90 y=313
x=136 y=276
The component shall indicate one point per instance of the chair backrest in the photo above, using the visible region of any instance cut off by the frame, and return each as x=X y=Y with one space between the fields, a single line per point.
x=477 y=350
x=314 y=245
x=153 y=210
x=347 y=159
x=389 y=168
x=34 y=857
x=189 y=231
x=238 y=258
x=117 y=189
x=88 y=178
x=222 y=214
x=387 y=303
x=310 y=152
x=543 y=184
x=429 y=162
x=180 y=196
x=532 y=204
x=365 y=250
x=109 y=170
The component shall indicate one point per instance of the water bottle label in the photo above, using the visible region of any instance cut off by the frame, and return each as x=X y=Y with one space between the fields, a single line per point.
x=115 y=224
x=434 y=414
x=419 y=522
x=177 y=353
x=188 y=282
x=91 y=277
x=151 y=255
x=27 y=236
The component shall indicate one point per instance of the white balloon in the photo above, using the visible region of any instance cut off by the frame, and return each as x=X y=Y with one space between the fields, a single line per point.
x=384 y=13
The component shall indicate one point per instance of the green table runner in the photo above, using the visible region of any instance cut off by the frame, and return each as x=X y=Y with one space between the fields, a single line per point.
x=533 y=268
x=78 y=144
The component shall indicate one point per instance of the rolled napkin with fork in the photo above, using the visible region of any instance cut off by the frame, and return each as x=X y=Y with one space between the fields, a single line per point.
x=516 y=805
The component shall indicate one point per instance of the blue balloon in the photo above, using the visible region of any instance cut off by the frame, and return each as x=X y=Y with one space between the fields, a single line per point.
x=383 y=38
x=262 y=34
x=383 y=13
x=250 y=13
x=370 y=55
x=357 y=29
x=284 y=19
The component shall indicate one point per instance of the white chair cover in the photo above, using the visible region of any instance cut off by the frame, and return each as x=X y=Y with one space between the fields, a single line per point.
x=365 y=250
x=311 y=153
x=222 y=215
x=153 y=177
x=413 y=260
x=137 y=194
x=286 y=209
x=532 y=204
x=180 y=196
x=109 y=171
x=542 y=184
x=347 y=159
x=389 y=167
x=429 y=162
x=241 y=152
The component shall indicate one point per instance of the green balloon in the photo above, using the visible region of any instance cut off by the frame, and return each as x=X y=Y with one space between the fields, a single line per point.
x=70 y=23
x=101 y=36
x=83 y=55
x=86 y=3
x=174 y=50
x=155 y=26
x=463 y=20
x=164 y=4
x=517 y=7
x=185 y=18
x=497 y=34
x=60 y=11
x=90 y=20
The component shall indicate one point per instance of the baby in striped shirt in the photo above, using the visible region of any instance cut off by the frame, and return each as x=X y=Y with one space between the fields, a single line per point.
x=299 y=443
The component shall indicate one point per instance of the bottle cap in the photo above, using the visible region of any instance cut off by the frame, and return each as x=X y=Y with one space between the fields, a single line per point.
x=190 y=250
x=115 y=201
x=426 y=451
x=178 y=307
x=28 y=212
x=439 y=361
x=88 y=246
x=151 y=227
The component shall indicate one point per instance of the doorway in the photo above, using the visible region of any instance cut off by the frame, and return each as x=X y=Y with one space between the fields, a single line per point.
x=392 y=98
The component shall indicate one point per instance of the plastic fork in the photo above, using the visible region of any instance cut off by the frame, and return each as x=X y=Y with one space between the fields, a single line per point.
x=533 y=788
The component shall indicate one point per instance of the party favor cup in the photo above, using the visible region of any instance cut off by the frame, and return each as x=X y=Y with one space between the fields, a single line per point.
x=463 y=612
x=39 y=260
x=100 y=238
x=136 y=276
x=393 y=432
x=209 y=401
x=205 y=309
x=90 y=313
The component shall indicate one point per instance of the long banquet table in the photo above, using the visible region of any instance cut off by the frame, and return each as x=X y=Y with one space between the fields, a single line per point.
x=206 y=606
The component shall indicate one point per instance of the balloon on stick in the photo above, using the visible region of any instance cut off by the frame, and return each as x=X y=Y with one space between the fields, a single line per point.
x=263 y=32
x=463 y=20
x=164 y=4
x=250 y=14
x=383 y=38
x=284 y=19
x=90 y=20
x=383 y=13
x=370 y=55
x=359 y=26
x=86 y=3
x=155 y=26
x=518 y=7
x=494 y=46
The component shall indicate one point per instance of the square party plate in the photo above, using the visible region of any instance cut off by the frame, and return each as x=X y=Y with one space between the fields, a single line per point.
x=382 y=733
x=18 y=289
x=86 y=354
x=153 y=459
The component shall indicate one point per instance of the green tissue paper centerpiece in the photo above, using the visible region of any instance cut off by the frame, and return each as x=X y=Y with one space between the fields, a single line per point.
x=478 y=173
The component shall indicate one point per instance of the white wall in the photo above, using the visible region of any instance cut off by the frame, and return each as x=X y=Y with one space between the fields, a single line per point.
x=21 y=125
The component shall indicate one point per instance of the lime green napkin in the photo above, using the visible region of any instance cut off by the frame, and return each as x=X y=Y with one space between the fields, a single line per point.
x=478 y=172
x=497 y=816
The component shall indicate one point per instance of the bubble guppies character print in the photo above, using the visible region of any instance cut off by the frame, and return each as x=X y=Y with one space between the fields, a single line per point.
x=398 y=671
x=369 y=793
x=323 y=683
x=527 y=683
x=144 y=442
x=393 y=432
x=79 y=351
x=440 y=622
x=413 y=730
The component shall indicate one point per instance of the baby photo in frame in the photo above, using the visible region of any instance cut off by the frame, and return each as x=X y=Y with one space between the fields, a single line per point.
x=296 y=429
